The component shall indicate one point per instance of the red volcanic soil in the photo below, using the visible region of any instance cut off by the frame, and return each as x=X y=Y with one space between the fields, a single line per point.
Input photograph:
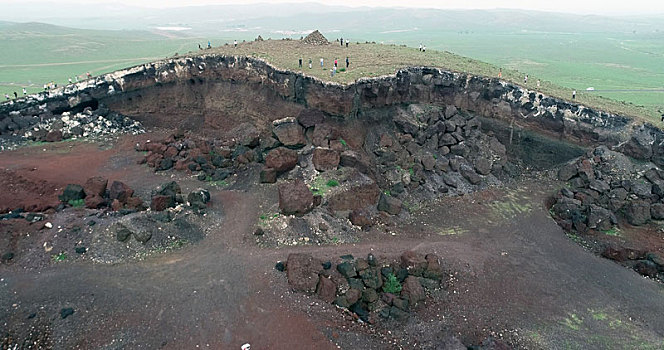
x=513 y=274
x=31 y=178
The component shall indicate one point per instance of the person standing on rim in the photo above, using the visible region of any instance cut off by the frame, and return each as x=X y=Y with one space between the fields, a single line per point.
x=300 y=62
x=342 y=41
x=573 y=94
x=235 y=43
x=335 y=63
x=310 y=63
x=347 y=62
x=321 y=62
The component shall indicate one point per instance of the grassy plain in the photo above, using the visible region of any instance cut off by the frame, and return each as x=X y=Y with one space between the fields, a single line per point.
x=34 y=54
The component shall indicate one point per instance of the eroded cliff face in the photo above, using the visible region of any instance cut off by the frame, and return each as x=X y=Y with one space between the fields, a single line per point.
x=213 y=94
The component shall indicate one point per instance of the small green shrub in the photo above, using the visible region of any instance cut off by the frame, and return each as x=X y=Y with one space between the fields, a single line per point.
x=343 y=142
x=392 y=285
x=332 y=183
x=76 y=203
x=176 y=244
x=342 y=69
x=268 y=216
x=59 y=257
x=220 y=183
x=614 y=231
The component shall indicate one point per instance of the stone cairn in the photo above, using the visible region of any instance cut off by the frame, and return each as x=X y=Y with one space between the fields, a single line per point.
x=315 y=38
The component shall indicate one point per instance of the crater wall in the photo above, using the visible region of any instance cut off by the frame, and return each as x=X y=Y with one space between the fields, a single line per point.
x=212 y=92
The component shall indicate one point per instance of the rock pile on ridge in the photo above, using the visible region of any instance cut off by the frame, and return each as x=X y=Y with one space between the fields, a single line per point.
x=87 y=124
x=315 y=38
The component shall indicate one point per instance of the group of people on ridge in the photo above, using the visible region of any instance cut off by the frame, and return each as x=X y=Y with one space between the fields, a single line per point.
x=333 y=70
x=48 y=86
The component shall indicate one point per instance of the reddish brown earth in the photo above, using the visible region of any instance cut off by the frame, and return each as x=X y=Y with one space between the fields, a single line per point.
x=512 y=274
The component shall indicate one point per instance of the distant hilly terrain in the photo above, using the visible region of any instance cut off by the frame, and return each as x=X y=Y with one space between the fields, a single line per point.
x=574 y=51
x=211 y=18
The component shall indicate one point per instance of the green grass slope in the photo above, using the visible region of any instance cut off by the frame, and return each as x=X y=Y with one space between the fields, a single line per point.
x=32 y=54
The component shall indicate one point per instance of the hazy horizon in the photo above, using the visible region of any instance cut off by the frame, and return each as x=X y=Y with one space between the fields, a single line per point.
x=591 y=7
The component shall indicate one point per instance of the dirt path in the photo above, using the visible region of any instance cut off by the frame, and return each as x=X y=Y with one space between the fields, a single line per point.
x=517 y=275
x=525 y=274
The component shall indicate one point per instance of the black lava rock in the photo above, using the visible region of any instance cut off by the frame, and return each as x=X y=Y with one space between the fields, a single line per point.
x=280 y=266
x=72 y=193
x=66 y=312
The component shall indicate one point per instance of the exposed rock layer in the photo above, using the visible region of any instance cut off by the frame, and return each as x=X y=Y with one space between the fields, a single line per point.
x=209 y=93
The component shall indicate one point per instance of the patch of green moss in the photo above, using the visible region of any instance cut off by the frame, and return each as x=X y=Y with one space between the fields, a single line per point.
x=76 y=203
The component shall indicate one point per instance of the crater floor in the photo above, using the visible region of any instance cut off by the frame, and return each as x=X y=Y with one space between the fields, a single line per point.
x=514 y=274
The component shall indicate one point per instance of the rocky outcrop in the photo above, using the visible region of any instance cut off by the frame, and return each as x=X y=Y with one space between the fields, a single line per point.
x=94 y=195
x=289 y=132
x=370 y=288
x=303 y=270
x=643 y=262
x=605 y=186
x=281 y=159
x=295 y=198
x=214 y=159
x=166 y=196
x=325 y=159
